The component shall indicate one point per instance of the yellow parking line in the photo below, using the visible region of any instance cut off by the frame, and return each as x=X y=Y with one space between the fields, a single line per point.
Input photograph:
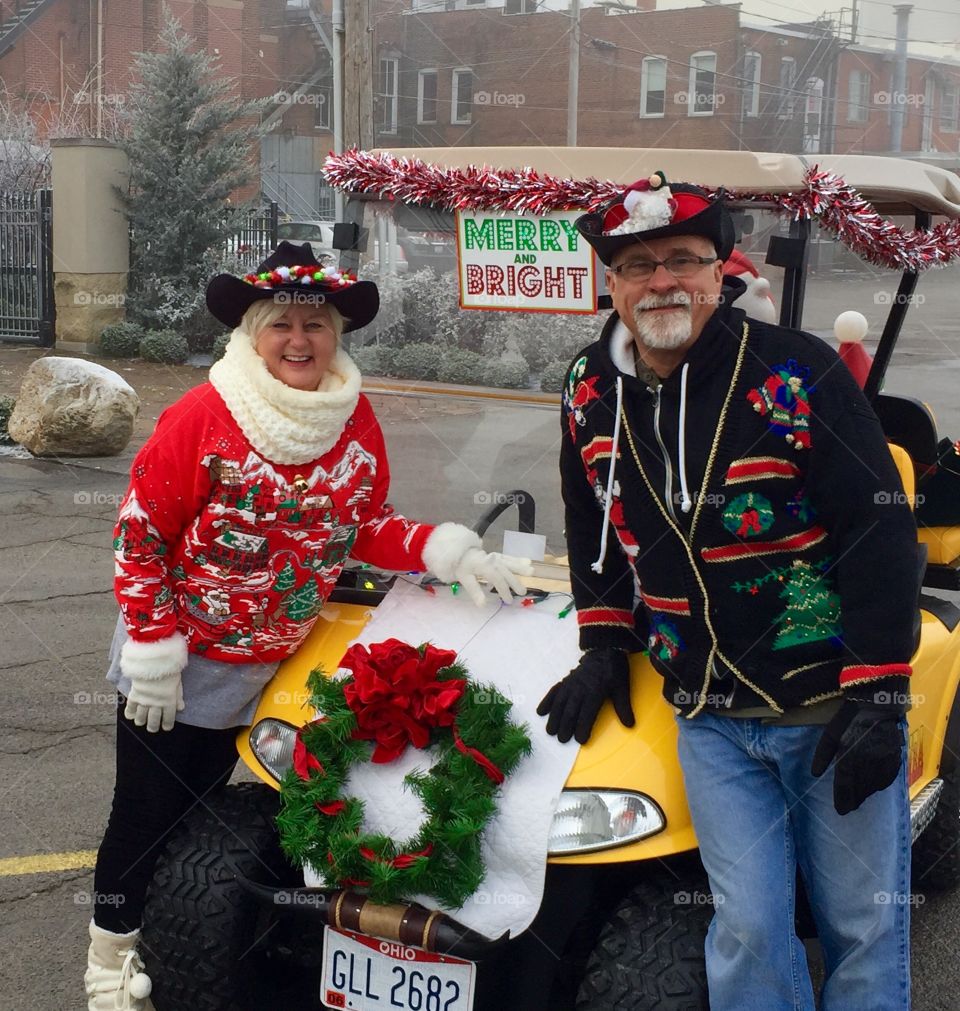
x=46 y=863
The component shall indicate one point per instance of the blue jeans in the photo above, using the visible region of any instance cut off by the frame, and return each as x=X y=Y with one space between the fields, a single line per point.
x=758 y=814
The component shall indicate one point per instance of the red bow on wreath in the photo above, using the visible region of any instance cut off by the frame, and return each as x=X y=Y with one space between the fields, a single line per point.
x=396 y=696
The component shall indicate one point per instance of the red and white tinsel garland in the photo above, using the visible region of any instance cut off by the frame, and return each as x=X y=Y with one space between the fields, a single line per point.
x=826 y=198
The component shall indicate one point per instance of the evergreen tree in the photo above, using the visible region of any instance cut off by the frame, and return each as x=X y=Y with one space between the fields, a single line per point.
x=190 y=145
x=304 y=603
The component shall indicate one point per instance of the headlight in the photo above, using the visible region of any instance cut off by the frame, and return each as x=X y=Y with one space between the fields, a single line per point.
x=272 y=742
x=588 y=820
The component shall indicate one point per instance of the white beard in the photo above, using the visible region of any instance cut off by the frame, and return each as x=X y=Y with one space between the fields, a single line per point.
x=663 y=331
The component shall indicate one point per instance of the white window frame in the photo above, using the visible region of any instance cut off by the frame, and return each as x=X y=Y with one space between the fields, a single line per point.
x=388 y=124
x=950 y=104
x=644 y=84
x=692 y=109
x=787 y=92
x=526 y=7
x=458 y=72
x=751 y=83
x=436 y=93
x=858 y=98
x=321 y=118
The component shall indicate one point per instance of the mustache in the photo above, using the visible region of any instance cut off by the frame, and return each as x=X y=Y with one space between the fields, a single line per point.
x=663 y=301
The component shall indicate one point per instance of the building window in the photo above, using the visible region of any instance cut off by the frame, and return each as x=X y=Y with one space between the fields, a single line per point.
x=389 y=72
x=788 y=86
x=950 y=107
x=326 y=202
x=427 y=96
x=461 y=101
x=519 y=6
x=751 y=85
x=653 y=86
x=858 y=107
x=322 y=97
x=701 y=93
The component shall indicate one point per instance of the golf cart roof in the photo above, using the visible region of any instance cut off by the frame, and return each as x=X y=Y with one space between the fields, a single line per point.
x=893 y=185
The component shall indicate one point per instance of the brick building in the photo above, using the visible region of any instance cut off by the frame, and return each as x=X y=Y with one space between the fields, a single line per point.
x=496 y=72
x=931 y=99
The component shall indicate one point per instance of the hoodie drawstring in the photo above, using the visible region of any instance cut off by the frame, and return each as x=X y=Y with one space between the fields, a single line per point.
x=686 y=503
x=597 y=566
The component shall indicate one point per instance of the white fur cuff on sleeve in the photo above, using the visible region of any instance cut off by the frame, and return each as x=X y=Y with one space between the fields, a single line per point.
x=445 y=547
x=153 y=661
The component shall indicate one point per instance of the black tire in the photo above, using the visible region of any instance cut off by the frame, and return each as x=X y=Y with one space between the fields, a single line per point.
x=201 y=928
x=936 y=853
x=650 y=953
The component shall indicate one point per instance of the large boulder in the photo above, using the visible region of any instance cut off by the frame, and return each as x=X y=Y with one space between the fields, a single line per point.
x=71 y=407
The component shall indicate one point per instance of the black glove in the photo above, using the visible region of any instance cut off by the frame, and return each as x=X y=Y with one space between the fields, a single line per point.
x=867 y=743
x=572 y=704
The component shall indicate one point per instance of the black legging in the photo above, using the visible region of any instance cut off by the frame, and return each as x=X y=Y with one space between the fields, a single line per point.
x=160 y=777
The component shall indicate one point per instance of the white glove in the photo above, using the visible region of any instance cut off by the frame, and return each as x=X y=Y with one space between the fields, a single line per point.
x=155 y=701
x=500 y=571
x=156 y=695
x=454 y=554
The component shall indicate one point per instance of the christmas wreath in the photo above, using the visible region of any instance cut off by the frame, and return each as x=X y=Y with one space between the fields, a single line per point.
x=396 y=696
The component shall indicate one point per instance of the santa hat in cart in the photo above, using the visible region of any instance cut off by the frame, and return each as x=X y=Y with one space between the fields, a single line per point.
x=756 y=301
x=652 y=208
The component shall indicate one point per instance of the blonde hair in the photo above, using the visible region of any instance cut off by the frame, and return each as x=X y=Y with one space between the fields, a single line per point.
x=267 y=311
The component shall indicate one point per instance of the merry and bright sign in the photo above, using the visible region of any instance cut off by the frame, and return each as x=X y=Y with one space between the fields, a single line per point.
x=524 y=262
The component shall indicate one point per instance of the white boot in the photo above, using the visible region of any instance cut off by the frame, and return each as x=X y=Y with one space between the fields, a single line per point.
x=115 y=980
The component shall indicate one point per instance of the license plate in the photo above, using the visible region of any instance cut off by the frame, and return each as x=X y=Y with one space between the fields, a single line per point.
x=366 y=974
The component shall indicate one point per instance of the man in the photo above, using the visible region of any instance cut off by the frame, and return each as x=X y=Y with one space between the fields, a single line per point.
x=767 y=562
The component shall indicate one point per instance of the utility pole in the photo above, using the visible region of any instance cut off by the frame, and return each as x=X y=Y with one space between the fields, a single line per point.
x=337 y=57
x=898 y=109
x=573 y=82
x=357 y=76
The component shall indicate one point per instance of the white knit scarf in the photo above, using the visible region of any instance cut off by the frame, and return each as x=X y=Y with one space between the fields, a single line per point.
x=285 y=425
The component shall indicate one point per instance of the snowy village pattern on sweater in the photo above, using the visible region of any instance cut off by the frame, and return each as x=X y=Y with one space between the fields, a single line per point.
x=237 y=553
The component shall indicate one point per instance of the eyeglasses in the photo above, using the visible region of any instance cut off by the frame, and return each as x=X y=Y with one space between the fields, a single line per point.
x=679 y=266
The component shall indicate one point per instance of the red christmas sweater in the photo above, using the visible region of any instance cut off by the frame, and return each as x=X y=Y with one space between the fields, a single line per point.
x=238 y=553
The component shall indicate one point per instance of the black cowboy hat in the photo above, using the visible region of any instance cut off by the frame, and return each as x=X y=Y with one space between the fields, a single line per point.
x=695 y=213
x=229 y=297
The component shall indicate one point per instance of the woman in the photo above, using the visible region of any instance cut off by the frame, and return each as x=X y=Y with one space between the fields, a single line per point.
x=241 y=510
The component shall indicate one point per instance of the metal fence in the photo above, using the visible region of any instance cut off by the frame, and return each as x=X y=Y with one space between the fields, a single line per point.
x=27 y=308
x=256 y=237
